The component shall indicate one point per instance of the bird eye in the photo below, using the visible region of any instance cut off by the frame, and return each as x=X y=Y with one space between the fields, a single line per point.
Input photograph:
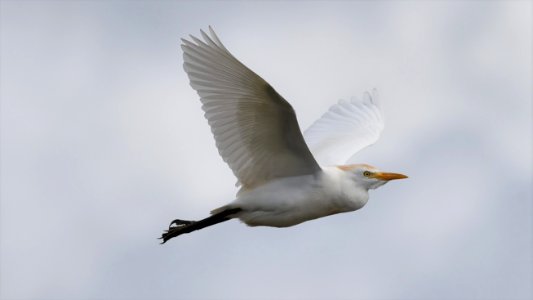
x=366 y=173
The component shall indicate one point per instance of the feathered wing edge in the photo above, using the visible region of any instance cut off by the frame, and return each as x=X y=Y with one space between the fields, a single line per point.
x=255 y=129
x=346 y=128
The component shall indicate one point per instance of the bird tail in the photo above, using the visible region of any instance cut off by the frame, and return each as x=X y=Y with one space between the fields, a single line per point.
x=182 y=226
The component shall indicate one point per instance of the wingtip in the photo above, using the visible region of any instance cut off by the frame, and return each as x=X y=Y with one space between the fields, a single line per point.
x=371 y=97
x=212 y=32
x=374 y=96
x=367 y=97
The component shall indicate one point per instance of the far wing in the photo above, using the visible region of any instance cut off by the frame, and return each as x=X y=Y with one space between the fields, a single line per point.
x=344 y=129
x=255 y=129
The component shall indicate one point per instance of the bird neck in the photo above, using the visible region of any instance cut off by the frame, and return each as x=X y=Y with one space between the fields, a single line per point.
x=346 y=183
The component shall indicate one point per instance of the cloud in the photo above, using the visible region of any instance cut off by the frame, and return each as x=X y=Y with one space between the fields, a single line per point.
x=104 y=142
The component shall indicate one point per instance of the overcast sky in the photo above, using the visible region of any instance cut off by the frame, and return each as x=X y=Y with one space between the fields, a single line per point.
x=103 y=143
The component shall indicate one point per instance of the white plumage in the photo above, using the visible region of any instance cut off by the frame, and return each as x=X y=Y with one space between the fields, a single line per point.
x=255 y=129
x=258 y=136
x=344 y=129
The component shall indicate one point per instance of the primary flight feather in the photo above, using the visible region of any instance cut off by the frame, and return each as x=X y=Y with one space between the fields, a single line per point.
x=258 y=136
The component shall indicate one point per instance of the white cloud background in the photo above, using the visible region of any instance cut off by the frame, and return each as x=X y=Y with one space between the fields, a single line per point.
x=103 y=142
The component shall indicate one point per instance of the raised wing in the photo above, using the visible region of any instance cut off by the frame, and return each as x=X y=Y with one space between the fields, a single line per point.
x=255 y=129
x=344 y=129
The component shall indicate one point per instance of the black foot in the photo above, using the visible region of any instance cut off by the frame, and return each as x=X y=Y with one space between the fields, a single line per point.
x=179 y=222
x=175 y=228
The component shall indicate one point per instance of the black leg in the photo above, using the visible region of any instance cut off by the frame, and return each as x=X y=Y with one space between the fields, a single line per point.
x=190 y=226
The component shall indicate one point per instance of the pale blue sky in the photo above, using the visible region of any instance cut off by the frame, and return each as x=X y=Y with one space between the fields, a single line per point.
x=103 y=142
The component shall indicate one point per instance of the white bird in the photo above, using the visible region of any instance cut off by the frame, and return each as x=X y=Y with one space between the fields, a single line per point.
x=258 y=136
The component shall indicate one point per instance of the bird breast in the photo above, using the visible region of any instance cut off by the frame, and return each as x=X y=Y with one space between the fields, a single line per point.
x=292 y=200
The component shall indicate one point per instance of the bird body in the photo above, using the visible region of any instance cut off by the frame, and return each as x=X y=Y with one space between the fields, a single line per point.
x=287 y=177
x=292 y=200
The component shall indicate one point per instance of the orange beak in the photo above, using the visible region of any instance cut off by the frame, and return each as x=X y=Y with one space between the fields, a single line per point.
x=389 y=176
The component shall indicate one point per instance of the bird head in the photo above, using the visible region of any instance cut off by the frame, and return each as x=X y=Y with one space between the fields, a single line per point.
x=370 y=177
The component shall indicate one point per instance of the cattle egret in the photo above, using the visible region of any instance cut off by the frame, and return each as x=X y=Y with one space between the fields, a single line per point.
x=286 y=178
